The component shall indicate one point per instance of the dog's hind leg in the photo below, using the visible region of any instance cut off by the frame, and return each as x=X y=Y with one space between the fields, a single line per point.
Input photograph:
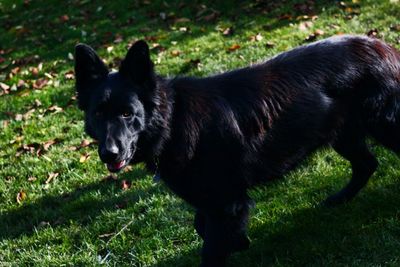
x=351 y=145
x=200 y=224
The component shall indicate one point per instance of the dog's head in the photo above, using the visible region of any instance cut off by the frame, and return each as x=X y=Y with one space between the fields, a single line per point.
x=114 y=102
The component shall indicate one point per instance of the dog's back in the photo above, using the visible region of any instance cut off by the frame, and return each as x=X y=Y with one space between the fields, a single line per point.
x=261 y=121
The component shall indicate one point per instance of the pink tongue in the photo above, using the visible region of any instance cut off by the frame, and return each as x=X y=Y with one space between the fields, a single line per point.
x=118 y=165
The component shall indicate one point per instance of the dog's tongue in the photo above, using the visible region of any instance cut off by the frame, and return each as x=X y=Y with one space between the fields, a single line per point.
x=118 y=165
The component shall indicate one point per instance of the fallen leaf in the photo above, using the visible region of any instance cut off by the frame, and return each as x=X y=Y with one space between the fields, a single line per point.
x=228 y=31
x=31 y=179
x=5 y=123
x=28 y=114
x=109 y=49
x=40 y=83
x=69 y=75
x=214 y=15
x=34 y=71
x=55 y=109
x=373 y=33
x=319 y=32
x=51 y=177
x=72 y=148
x=256 y=38
x=269 y=44
x=181 y=20
x=305 y=25
x=285 y=17
x=118 y=39
x=47 y=144
x=86 y=143
x=21 y=83
x=395 y=27
x=175 y=53
x=4 y=86
x=84 y=157
x=233 y=47
x=15 y=70
x=106 y=235
x=18 y=117
x=21 y=196
x=37 y=103
x=125 y=184
x=64 y=18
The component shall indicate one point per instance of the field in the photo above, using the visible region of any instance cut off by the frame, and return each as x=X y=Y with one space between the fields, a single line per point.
x=60 y=207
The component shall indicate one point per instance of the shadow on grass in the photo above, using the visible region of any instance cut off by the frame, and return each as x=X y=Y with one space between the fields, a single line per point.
x=79 y=206
x=320 y=236
x=51 y=28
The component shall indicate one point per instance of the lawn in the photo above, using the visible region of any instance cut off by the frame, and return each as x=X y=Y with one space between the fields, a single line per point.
x=60 y=207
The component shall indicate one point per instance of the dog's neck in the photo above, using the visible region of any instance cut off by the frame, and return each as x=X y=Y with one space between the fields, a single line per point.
x=157 y=132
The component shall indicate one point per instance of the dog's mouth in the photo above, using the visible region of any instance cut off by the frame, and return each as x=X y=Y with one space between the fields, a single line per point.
x=119 y=165
x=116 y=166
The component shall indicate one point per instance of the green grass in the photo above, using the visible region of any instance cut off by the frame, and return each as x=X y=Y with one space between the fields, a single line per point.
x=79 y=218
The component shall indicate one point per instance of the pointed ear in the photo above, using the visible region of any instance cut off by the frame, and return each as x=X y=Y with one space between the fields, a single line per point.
x=137 y=65
x=89 y=69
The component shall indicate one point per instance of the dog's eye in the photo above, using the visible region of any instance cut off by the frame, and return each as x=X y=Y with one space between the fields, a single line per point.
x=126 y=114
x=98 y=113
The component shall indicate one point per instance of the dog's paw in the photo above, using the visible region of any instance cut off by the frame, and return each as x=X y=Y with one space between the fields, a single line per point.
x=335 y=200
x=242 y=242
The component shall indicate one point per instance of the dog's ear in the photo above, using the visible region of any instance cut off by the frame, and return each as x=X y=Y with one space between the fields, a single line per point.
x=89 y=69
x=137 y=65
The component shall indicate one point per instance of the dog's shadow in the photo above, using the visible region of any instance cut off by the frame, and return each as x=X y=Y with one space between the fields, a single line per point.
x=313 y=235
x=320 y=236
x=60 y=210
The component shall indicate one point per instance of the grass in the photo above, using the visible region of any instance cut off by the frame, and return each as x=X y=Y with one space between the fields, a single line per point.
x=80 y=218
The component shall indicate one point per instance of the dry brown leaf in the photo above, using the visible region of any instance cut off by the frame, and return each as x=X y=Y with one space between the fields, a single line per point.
x=319 y=32
x=285 y=17
x=55 y=109
x=175 y=53
x=72 y=148
x=395 y=28
x=85 y=143
x=37 y=103
x=84 y=157
x=269 y=44
x=305 y=25
x=373 y=33
x=4 y=86
x=18 y=117
x=69 y=75
x=28 y=114
x=233 y=47
x=106 y=235
x=40 y=83
x=125 y=184
x=51 y=177
x=5 y=123
x=256 y=38
x=31 y=179
x=34 y=71
x=21 y=196
x=228 y=31
x=47 y=144
x=64 y=18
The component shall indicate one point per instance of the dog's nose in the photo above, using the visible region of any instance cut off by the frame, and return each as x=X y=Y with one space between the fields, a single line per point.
x=109 y=153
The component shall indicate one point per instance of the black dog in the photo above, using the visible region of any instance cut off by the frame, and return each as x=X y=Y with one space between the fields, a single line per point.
x=211 y=139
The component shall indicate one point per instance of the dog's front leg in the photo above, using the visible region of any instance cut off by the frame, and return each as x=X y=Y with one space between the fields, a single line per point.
x=223 y=233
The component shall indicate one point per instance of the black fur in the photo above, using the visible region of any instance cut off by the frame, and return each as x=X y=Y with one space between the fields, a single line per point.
x=211 y=139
